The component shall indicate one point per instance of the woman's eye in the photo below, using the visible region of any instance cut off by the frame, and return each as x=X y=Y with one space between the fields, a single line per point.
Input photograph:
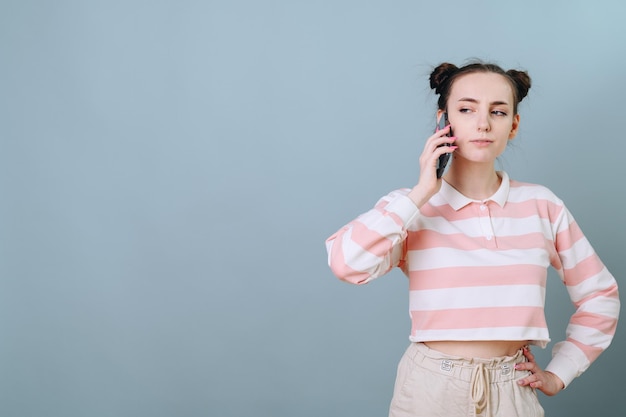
x=465 y=110
x=499 y=113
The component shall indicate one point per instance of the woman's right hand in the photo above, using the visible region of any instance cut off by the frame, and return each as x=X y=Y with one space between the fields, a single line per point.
x=428 y=183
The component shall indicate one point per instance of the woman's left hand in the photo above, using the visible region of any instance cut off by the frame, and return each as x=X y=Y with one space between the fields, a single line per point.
x=544 y=381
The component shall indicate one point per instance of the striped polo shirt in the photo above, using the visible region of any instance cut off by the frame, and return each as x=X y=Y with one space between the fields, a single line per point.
x=477 y=270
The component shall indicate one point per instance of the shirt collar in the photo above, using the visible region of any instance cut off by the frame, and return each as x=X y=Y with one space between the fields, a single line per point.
x=457 y=200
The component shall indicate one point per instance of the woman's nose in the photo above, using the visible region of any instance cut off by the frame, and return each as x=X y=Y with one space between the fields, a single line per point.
x=483 y=122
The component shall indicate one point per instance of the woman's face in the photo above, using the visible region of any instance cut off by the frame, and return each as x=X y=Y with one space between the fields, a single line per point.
x=480 y=110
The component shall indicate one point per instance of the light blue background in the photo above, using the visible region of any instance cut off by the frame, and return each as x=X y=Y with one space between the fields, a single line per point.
x=169 y=171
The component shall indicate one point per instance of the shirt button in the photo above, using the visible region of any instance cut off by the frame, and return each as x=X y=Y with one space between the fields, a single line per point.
x=483 y=207
x=489 y=237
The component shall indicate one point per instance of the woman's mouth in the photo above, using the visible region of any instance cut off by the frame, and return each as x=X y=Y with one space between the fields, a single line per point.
x=481 y=142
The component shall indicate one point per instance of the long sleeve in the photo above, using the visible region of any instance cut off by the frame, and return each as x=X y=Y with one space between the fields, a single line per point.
x=594 y=293
x=372 y=244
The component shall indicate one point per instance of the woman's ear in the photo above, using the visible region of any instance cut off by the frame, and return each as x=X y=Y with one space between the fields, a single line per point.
x=514 y=127
x=440 y=114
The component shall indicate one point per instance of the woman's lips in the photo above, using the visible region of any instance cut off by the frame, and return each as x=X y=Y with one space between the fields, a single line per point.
x=481 y=142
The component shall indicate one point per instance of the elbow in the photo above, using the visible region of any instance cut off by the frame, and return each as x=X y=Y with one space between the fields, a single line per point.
x=341 y=268
x=349 y=275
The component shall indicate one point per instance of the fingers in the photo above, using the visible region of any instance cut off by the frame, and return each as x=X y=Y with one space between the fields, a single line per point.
x=529 y=355
x=428 y=183
x=534 y=381
x=439 y=143
x=440 y=137
x=435 y=147
x=530 y=366
x=545 y=381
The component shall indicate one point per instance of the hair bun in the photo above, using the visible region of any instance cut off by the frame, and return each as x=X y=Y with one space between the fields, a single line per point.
x=440 y=76
x=522 y=82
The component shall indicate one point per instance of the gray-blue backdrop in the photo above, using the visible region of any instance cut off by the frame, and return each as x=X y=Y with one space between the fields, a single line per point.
x=170 y=169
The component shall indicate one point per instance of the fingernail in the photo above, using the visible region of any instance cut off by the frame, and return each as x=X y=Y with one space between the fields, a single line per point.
x=453 y=147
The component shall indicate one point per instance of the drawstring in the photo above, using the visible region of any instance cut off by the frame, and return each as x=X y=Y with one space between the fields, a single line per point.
x=479 y=386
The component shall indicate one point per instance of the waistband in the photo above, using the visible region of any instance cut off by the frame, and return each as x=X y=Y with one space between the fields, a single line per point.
x=499 y=369
x=477 y=372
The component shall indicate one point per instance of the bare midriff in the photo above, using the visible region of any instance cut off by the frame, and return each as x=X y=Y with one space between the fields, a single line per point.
x=478 y=349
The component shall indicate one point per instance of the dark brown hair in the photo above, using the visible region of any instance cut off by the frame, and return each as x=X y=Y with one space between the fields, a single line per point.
x=444 y=75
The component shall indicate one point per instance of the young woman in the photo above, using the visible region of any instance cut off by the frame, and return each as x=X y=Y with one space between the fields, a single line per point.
x=475 y=246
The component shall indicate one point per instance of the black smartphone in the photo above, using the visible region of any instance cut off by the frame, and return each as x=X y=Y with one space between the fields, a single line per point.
x=443 y=159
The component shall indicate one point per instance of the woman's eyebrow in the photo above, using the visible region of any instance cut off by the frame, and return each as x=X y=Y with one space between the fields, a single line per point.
x=493 y=103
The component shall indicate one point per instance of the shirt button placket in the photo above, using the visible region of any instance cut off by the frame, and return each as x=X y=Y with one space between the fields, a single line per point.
x=485 y=222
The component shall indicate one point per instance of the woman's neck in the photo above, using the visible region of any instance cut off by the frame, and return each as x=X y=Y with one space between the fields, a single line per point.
x=477 y=182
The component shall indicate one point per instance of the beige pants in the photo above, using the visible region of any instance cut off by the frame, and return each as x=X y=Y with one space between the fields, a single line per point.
x=432 y=384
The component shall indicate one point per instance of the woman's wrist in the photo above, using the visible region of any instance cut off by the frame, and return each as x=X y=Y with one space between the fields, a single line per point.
x=419 y=197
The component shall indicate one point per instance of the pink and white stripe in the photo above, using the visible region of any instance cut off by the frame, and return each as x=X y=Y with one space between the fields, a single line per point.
x=477 y=270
